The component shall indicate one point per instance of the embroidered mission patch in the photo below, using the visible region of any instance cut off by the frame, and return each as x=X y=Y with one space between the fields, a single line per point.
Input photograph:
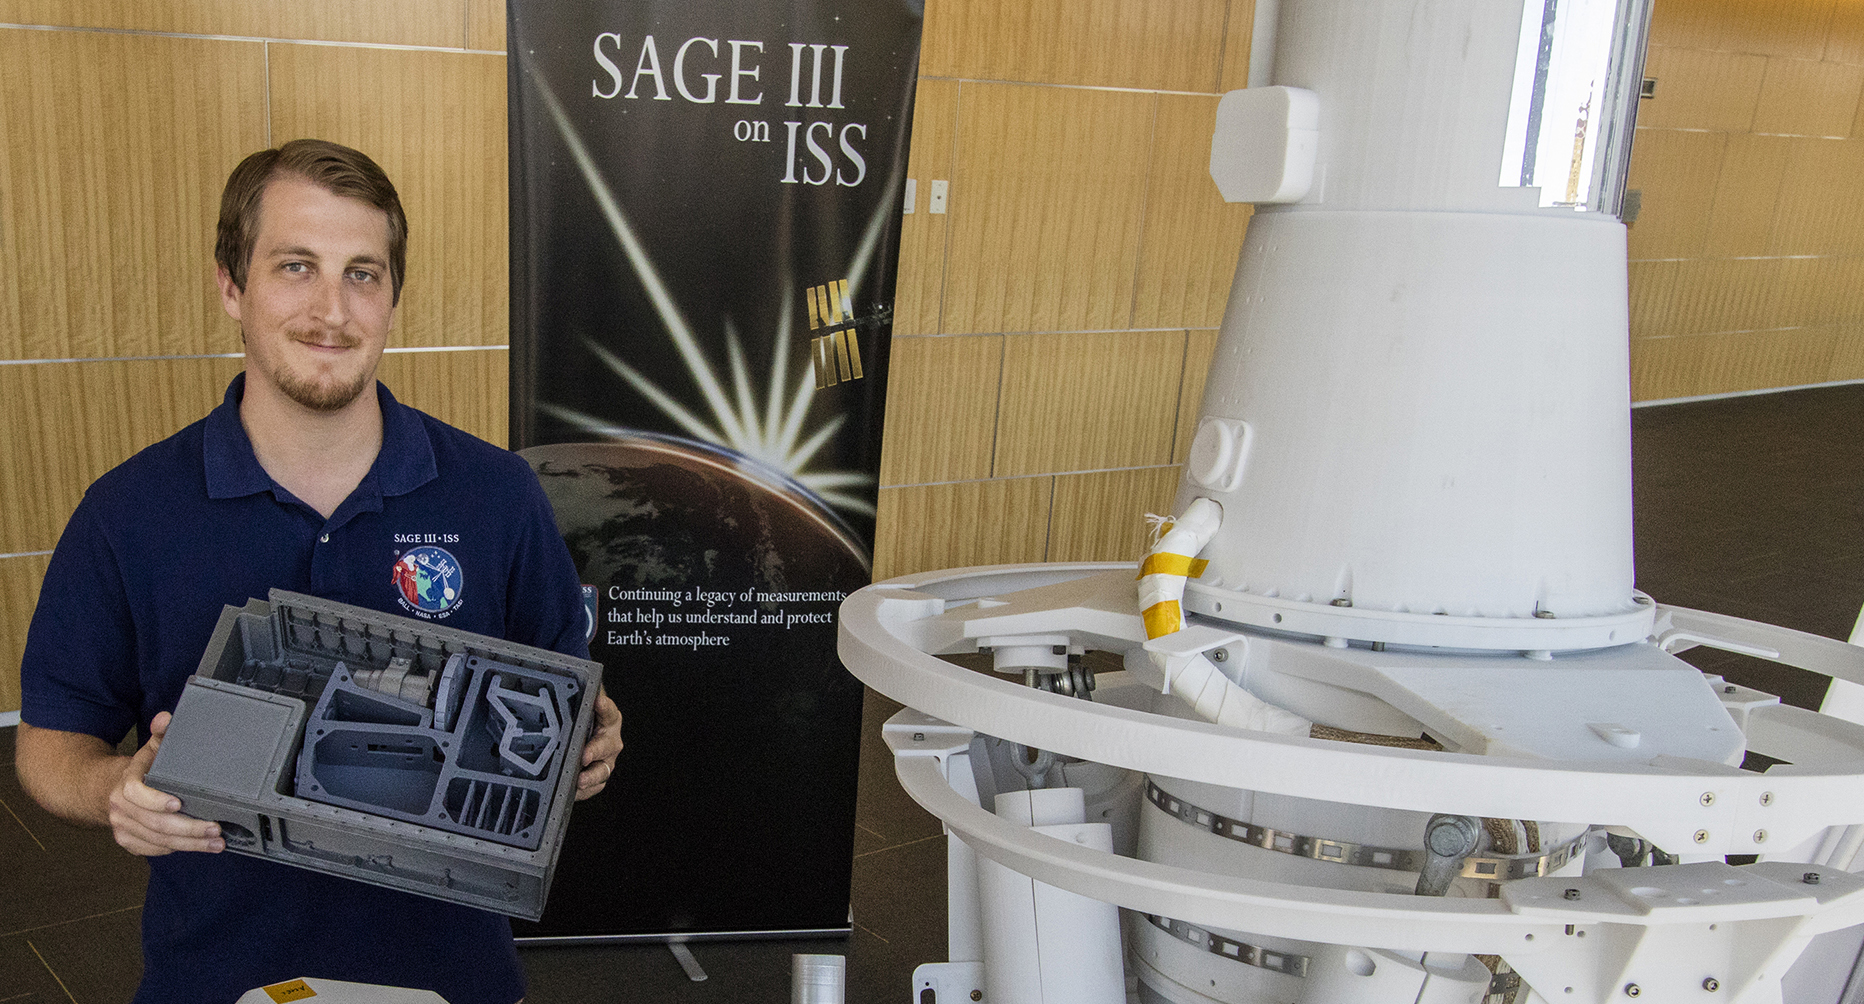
x=428 y=580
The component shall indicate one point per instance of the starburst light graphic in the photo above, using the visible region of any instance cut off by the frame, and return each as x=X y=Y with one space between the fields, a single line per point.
x=775 y=432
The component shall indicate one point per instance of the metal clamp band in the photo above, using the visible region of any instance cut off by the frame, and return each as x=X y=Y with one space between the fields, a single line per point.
x=1217 y=944
x=1494 y=868
x=1319 y=848
x=1507 y=867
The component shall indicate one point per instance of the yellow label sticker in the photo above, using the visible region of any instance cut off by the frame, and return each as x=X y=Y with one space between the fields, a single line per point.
x=295 y=990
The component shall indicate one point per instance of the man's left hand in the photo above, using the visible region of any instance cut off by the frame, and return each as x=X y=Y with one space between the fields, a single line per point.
x=598 y=755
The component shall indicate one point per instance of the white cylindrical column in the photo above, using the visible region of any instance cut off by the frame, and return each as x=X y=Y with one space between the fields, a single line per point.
x=1044 y=945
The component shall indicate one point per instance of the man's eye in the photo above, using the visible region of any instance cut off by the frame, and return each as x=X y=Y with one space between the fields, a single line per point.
x=295 y=266
x=362 y=275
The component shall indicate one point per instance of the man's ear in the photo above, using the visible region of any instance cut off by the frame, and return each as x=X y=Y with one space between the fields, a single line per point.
x=230 y=294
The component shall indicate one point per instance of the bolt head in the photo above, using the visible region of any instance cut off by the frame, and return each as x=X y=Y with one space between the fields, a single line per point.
x=1766 y=798
x=977 y=995
x=919 y=737
x=1708 y=798
x=1728 y=689
x=1633 y=990
x=1220 y=655
x=1449 y=835
x=1760 y=836
x=1711 y=984
x=1810 y=878
x=1702 y=836
x=1572 y=894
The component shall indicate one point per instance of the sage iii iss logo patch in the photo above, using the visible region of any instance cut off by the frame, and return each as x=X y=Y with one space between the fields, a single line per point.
x=429 y=581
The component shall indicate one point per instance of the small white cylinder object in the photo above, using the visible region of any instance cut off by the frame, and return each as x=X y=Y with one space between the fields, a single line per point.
x=818 y=979
x=1043 y=945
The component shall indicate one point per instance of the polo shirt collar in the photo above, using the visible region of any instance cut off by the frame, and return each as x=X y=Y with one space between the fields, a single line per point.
x=405 y=463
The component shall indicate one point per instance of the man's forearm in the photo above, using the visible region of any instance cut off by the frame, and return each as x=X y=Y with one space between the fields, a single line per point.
x=81 y=778
x=68 y=773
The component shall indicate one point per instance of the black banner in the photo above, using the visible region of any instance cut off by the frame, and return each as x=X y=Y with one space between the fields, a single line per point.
x=705 y=222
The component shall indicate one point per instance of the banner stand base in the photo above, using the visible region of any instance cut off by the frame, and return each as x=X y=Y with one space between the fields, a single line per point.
x=684 y=956
x=670 y=938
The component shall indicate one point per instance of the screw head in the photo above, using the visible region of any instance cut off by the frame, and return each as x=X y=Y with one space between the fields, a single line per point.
x=977 y=995
x=1633 y=990
x=1728 y=689
x=1766 y=798
x=1711 y=984
x=1707 y=799
x=1810 y=878
x=1702 y=836
x=1572 y=894
x=919 y=737
x=1760 y=836
x=1220 y=655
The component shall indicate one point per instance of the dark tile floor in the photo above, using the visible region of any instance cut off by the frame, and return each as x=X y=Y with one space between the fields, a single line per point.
x=1749 y=506
x=1754 y=507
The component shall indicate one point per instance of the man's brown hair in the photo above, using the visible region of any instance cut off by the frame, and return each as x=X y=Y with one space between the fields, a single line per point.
x=333 y=167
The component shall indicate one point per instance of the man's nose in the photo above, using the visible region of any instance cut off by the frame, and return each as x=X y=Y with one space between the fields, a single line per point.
x=329 y=306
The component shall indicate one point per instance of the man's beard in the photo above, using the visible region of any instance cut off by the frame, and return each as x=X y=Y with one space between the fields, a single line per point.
x=323 y=396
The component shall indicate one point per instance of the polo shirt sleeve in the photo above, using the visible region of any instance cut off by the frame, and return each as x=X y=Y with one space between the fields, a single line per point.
x=545 y=606
x=79 y=672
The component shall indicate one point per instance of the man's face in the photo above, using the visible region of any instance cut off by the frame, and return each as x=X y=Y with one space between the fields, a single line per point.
x=318 y=301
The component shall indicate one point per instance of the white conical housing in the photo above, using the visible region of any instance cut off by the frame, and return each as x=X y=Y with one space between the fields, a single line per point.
x=1417 y=416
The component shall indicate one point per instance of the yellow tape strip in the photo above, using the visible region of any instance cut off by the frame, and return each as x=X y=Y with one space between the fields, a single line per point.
x=295 y=990
x=1166 y=563
x=1163 y=618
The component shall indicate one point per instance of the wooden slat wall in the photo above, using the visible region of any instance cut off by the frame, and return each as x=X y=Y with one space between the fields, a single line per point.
x=405 y=22
x=1056 y=321
x=118 y=125
x=1746 y=260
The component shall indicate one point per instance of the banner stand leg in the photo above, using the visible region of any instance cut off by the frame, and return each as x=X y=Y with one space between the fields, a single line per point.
x=684 y=956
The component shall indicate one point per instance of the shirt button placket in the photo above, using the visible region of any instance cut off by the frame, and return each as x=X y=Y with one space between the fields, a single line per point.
x=320 y=563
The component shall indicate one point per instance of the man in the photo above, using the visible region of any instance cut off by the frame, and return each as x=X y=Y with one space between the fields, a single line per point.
x=303 y=478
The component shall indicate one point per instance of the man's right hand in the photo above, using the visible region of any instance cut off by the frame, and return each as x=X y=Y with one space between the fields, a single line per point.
x=81 y=778
x=149 y=822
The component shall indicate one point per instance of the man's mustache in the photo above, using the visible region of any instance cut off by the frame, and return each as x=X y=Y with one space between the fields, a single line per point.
x=317 y=336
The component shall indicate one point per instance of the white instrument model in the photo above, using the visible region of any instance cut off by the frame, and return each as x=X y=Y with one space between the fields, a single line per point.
x=1382 y=718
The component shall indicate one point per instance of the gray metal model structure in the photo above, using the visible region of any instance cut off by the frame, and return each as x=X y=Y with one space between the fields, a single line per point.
x=383 y=749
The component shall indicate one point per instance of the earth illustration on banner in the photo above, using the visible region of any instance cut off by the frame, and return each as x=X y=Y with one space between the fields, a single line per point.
x=652 y=510
x=717 y=583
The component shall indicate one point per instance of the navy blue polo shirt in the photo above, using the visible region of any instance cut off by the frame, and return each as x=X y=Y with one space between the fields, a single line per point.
x=444 y=527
